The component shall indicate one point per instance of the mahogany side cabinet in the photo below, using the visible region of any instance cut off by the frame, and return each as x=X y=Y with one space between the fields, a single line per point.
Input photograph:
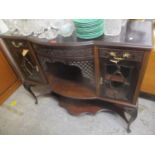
x=87 y=76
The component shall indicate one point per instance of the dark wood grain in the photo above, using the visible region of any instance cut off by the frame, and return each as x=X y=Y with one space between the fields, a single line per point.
x=141 y=75
x=70 y=89
x=97 y=70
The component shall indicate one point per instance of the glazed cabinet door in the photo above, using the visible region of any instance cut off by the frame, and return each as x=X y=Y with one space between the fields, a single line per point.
x=120 y=70
x=26 y=60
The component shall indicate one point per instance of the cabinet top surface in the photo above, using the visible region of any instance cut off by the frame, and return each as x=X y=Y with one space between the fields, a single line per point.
x=135 y=34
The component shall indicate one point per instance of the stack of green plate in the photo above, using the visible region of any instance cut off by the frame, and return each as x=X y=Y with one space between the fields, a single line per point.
x=89 y=28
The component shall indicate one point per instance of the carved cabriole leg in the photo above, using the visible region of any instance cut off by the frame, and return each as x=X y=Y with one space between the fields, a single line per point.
x=133 y=115
x=28 y=88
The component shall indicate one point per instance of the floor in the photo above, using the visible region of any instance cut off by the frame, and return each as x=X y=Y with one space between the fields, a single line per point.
x=19 y=115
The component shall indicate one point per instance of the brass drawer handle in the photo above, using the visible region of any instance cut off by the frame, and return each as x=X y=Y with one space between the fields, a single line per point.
x=101 y=80
x=117 y=58
x=37 y=68
x=25 y=52
x=17 y=45
x=126 y=55
x=113 y=54
x=114 y=61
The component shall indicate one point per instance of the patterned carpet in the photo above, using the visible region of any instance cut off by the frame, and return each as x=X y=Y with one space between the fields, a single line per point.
x=19 y=115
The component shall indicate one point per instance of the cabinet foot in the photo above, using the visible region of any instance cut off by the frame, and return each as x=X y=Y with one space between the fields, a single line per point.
x=28 y=88
x=133 y=115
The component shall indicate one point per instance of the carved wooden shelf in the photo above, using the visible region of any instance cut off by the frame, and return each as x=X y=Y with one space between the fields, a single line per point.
x=116 y=78
x=71 y=89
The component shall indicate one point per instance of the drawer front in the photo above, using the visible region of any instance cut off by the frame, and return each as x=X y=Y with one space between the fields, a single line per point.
x=80 y=53
x=16 y=43
x=127 y=55
x=18 y=48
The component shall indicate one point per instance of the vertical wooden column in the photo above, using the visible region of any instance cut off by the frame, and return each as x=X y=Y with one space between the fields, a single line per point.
x=97 y=70
x=38 y=64
x=141 y=75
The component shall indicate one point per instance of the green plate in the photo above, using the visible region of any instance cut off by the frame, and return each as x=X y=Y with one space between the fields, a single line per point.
x=87 y=25
x=84 y=21
x=91 y=35
x=91 y=29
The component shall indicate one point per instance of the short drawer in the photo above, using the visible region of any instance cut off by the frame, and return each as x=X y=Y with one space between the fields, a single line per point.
x=16 y=43
x=117 y=54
